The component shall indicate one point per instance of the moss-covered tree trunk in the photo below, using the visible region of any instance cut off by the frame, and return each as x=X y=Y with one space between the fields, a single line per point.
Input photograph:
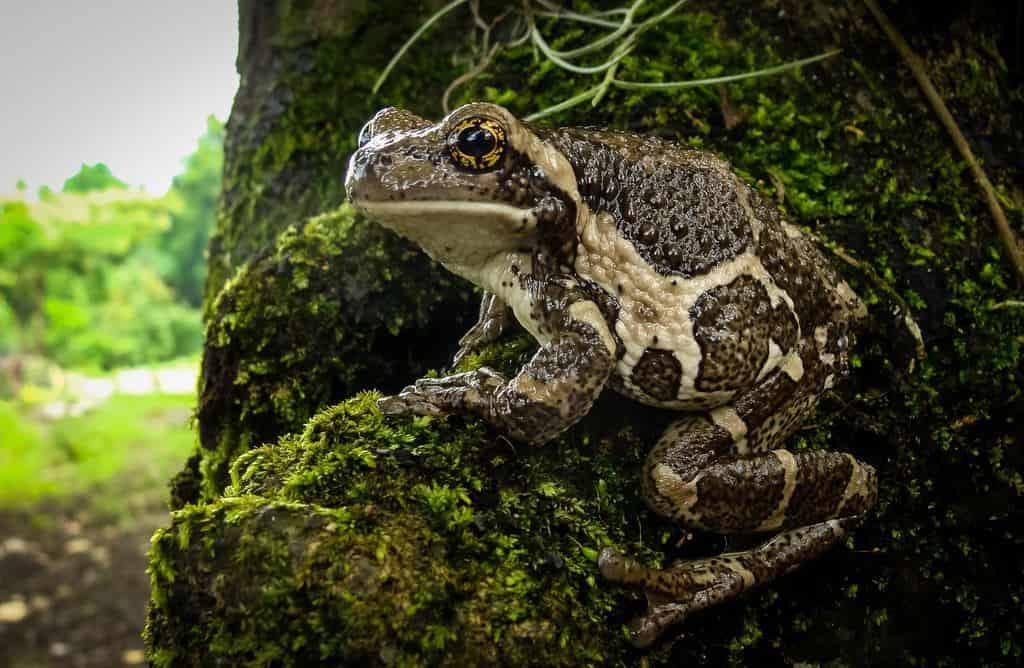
x=309 y=529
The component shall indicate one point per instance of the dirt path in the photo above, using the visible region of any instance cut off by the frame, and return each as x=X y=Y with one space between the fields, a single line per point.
x=81 y=393
x=73 y=587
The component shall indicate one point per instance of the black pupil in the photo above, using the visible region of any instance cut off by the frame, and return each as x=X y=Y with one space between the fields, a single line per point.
x=476 y=141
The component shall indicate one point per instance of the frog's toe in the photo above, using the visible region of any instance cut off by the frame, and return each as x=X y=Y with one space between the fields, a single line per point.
x=618 y=568
x=462 y=353
x=645 y=630
x=408 y=402
x=672 y=593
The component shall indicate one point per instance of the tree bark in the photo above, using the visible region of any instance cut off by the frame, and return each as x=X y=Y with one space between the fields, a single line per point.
x=310 y=530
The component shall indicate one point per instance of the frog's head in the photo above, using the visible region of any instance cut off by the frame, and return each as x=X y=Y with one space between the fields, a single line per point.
x=474 y=185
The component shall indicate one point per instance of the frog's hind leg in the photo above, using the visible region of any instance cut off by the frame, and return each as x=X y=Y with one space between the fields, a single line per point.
x=721 y=472
x=685 y=587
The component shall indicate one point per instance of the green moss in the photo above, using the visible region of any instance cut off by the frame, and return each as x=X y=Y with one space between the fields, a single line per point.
x=361 y=539
x=338 y=525
x=334 y=302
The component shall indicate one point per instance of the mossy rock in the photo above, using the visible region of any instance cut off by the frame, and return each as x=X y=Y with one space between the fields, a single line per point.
x=360 y=540
x=336 y=301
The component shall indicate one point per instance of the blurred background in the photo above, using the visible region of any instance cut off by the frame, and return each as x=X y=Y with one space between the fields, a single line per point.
x=111 y=142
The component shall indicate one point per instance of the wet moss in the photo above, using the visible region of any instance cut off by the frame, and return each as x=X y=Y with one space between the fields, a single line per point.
x=360 y=539
x=324 y=540
x=336 y=301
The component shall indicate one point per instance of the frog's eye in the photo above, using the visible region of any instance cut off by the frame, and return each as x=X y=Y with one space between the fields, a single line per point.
x=477 y=144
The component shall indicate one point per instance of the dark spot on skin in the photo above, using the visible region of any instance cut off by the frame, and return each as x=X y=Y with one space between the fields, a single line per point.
x=784 y=327
x=726 y=506
x=820 y=483
x=658 y=374
x=523 y=183
x=732 y=324
x=799 y=268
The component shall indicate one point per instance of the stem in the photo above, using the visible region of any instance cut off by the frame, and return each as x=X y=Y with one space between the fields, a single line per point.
x=556 y=12
x=564 y=104
x=415 y=36
x=1009 y=303
x=468 y=76
x=538 y=40
x=580 y=18
x=672 y=85
x=917 y=67
x=627 y=23
x=658 y=18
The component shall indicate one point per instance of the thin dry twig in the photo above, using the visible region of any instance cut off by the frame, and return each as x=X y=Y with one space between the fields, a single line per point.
x=468 y=76
x=917 y=67
x=485 y=46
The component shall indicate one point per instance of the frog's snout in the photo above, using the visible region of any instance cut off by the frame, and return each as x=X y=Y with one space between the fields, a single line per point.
x=359 y=169
x=367 y=172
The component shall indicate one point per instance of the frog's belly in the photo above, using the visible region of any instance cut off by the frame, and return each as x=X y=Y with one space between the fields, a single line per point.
x=665 y=363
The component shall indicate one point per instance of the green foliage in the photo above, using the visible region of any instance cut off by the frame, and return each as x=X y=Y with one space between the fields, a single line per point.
x=22 y=458
x=179 y=252
x=99 y=276
x=143 y=438
x=71 y=281
x=93 y=177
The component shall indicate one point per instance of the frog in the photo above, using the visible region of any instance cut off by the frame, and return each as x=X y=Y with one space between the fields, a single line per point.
x=648 y=269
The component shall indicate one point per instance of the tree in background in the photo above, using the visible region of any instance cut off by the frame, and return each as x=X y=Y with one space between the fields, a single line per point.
x=184 y=241
x=93 y=177
x=75 y=288
x=99 y=275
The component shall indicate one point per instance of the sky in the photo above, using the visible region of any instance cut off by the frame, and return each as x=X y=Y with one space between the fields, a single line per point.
x=125 y=82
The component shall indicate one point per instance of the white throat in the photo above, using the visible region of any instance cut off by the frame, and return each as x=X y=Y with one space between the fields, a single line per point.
x=463 y=236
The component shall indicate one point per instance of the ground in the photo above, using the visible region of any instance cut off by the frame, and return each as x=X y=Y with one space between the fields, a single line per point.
x=80 y=501
x=74 y=588
x=309 y=528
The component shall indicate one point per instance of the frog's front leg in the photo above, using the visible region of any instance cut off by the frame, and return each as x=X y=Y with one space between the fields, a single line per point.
x=495 y=317
x=550 y=393
x=722 y=472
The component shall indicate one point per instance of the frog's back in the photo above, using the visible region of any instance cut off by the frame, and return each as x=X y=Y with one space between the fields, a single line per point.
x=709 y=290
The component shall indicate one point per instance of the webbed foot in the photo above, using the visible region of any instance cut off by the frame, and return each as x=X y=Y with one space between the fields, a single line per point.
x=673 y=593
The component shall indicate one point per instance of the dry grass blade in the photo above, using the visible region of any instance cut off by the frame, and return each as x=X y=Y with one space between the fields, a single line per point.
x=917 y=67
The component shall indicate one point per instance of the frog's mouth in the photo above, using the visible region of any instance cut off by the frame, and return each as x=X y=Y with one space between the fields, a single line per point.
x=456 y=232
x=495 y=216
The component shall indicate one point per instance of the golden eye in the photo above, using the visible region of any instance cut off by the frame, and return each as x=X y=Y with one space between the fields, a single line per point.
x=477 y=144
